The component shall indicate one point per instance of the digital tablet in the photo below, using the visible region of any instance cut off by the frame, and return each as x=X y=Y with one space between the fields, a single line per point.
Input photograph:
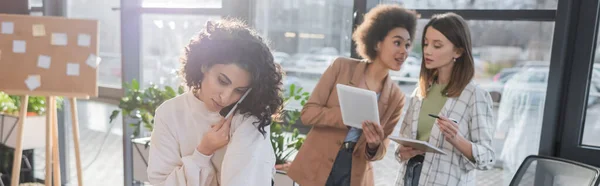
x=357 y=105
x=417 y=144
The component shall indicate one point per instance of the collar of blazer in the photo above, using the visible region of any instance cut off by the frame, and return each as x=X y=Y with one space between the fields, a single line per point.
x=358 y=75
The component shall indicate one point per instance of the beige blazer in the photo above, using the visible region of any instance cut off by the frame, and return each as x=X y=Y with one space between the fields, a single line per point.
x=314 y=161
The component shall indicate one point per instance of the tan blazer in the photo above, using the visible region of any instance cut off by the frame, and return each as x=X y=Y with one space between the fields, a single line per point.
x=313 y=163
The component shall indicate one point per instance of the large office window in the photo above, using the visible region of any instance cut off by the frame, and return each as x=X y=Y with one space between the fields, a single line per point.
x=163 y=40
x=109 y=72
x=306 y=36
x=478 y=4
x=182 y=3
x=592 y=122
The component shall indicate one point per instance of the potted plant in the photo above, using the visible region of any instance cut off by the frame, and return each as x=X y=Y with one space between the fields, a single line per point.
x=139 y=106
x=34 y=124
x=10 y=104
x=34 y=131
x=285 y=138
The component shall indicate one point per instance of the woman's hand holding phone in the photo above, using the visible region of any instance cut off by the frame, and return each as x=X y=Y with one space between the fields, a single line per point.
x=216 y=138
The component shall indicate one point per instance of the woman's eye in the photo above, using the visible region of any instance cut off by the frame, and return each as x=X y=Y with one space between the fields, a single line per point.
x=222 y=82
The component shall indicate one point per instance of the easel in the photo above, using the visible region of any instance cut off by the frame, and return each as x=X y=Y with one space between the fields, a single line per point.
x=52 y=156
x=70 y=71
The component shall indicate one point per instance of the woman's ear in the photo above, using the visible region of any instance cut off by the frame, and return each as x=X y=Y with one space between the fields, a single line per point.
x=458 y=52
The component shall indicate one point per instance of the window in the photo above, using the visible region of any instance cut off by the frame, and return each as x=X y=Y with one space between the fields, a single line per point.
x=163 y=40
x=592 y=122
x=477 y=4
x=181 y=3
x=306 y=36
x=109 y=71
x=36 y=3
x=513 y=46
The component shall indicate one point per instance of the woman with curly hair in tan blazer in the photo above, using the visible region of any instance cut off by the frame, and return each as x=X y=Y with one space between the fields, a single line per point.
x=333 y=153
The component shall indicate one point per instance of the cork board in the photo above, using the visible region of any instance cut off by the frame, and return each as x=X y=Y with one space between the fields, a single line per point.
x=48 y=56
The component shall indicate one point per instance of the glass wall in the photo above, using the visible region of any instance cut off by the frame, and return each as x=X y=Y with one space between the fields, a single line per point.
x=306 y=36
x=109 y=71
x=592 y=122
x=163 y=40
x=477 y=4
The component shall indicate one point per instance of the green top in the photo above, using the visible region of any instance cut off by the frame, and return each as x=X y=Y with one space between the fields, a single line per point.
x=432 y=104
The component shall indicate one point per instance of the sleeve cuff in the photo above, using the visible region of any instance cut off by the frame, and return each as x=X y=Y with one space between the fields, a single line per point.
x=376 y=154
x=482 y=161
x=200 y=159
x=468 y=164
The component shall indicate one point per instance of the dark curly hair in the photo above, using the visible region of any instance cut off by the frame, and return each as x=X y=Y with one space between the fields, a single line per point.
x=376 y=25
x=231 y=41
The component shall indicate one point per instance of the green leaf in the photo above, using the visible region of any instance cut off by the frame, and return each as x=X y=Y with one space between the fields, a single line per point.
x=292 y=89
x=181 y=90
x=170 y=92
x=135 y=85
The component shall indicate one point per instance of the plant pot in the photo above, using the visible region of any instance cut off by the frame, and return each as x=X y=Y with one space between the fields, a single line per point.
x=140 y=159
x=34 y=131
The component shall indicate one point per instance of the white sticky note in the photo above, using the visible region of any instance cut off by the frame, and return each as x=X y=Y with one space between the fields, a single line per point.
x=92 y=61
x=44 y=61
x=59 y=39
x=19 y=46
x=8 y=27
x=83 y=40
x=39 y=30
x=33 y=82
x=72 y=69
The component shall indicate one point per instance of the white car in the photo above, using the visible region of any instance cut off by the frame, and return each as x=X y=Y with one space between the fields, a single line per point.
x=528 y=87
x=316 y=63
x=280 y=57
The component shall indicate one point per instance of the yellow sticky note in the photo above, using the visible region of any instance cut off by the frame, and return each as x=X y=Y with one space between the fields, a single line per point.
x=39 y=30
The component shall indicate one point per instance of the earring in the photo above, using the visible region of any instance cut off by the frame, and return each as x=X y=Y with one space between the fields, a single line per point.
x=453 y=59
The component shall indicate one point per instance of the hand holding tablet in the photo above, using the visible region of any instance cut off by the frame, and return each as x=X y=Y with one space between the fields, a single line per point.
x=417 y=144
x=357 y=105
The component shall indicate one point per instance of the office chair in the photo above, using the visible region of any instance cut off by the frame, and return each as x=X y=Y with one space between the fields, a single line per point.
x=551 y=171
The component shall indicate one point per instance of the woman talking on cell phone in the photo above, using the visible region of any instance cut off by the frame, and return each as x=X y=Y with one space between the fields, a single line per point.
x=445 y=90
x=192 y=143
